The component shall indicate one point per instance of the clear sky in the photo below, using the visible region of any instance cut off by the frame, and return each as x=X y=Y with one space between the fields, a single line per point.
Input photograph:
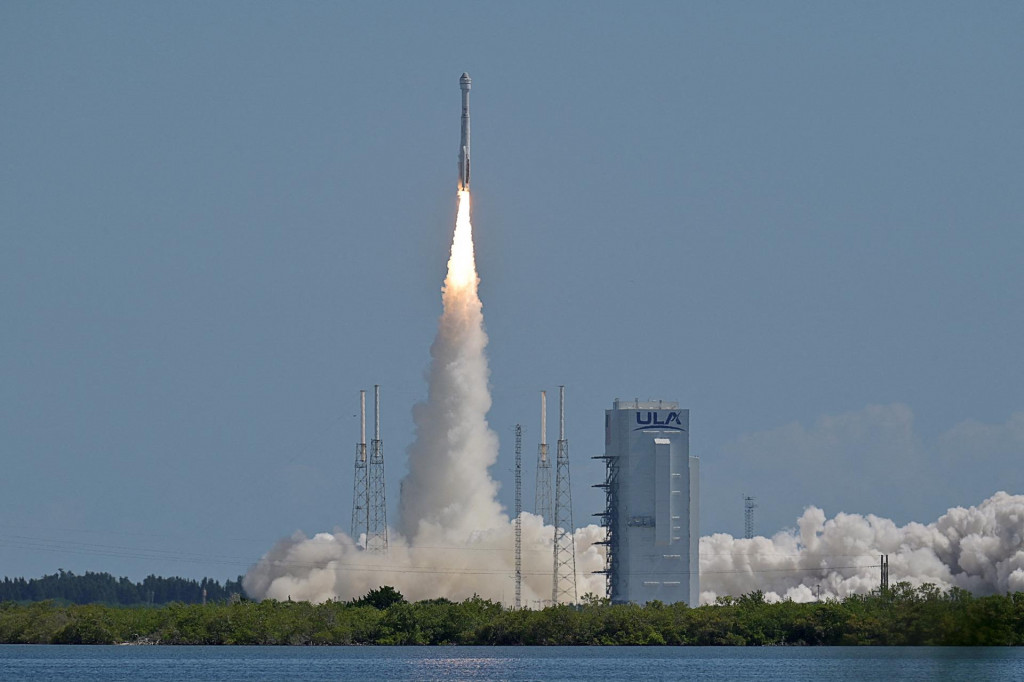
x=219 y=221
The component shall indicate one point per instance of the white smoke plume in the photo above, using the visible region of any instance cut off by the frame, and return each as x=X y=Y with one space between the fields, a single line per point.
x=448 y=492
x=453 y=539
x=980 y=549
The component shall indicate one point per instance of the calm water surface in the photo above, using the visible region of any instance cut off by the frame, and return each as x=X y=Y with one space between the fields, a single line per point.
x=228 y=664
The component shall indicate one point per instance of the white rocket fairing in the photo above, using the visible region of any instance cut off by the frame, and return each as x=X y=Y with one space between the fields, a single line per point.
x=464 y=84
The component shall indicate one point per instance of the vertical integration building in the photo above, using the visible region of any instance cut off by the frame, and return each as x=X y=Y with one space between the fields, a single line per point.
x=651 y=512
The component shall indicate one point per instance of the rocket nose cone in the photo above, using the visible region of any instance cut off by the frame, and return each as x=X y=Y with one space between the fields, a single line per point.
x=465 y=80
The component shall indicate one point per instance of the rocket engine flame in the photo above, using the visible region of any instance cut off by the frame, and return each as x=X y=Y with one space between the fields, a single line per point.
x=462 y=262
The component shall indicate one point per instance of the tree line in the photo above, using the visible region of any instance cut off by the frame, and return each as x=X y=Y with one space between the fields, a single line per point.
x=901 y=615
x=65 y=586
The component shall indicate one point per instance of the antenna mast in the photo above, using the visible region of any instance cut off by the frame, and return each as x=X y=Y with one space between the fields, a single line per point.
x=748 y=516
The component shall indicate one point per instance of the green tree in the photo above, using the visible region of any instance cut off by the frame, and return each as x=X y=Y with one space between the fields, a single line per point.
x=380 y=598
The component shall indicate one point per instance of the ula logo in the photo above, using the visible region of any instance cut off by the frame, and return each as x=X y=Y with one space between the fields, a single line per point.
x=649 y=420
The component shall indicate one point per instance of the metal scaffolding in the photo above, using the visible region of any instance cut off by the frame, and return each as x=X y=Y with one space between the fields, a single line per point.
x=748 y=516
x=610 y=522
x=563 y=587
x=377 y=520
x=360 y=490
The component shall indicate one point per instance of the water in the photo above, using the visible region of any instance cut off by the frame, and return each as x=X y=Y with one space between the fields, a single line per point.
x=228 y=664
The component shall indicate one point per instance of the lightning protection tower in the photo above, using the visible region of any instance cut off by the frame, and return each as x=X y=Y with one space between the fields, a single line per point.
x=360 y=491
x=519 y=515
x=377 y=519
x=564 y=581
x=542 y=491
x=748 y=516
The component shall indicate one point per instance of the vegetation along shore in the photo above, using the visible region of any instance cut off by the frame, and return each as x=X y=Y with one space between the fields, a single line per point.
x=902 y=615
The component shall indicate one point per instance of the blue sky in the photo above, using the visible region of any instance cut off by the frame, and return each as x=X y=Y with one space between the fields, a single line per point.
x=219 y=221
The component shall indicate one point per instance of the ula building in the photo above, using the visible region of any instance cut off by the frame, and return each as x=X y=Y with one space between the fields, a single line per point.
x=651 y=511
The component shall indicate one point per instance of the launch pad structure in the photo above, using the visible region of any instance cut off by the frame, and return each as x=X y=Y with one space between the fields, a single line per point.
x=369 y=500
x=377 y=523
x=360 y=489
x=564 y=583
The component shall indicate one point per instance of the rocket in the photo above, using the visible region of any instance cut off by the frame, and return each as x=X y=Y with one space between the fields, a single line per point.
x=464 y=83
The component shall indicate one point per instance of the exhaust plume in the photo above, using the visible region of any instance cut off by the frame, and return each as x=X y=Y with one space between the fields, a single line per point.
x=448 y=492
x=453 y=540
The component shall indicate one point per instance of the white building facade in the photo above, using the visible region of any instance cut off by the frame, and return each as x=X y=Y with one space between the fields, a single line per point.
x=652 y=513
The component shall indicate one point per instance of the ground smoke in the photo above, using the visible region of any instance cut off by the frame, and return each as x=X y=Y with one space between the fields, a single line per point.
x=980 y=549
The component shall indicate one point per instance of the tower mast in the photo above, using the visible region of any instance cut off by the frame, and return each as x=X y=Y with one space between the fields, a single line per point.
x=564 y=582
x=542 y=490
x=377 y=522
x=360 y=491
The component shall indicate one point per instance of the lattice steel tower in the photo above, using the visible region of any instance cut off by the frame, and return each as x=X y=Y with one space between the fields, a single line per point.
x=563 y=586
x=542 y=491
x=377 y=519
x=360 y=491
x=519 y=515
x=748 y=516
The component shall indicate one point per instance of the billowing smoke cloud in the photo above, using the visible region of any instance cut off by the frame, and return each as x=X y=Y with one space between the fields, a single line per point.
x=330 y=566
x=453 y=539
x=980 y=549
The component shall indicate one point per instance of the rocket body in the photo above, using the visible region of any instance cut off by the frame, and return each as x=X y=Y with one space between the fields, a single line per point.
x=464 y=83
